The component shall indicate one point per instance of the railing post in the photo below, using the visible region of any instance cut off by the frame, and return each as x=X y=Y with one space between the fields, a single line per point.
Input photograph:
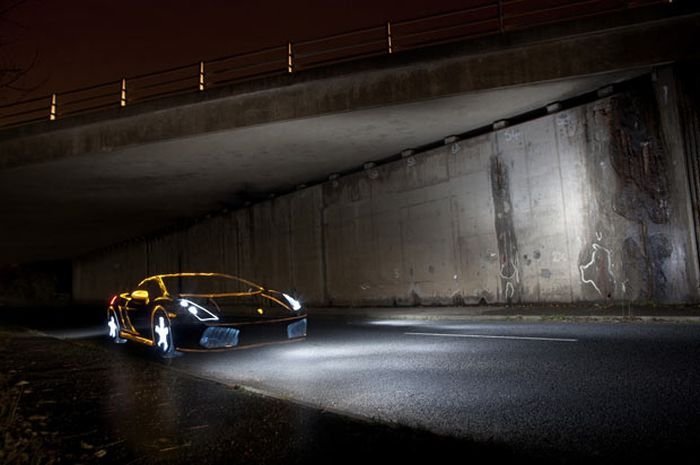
x=52 y=108
x=389 y=45
x=201 y=75
x=290 y=58
x=122 y=96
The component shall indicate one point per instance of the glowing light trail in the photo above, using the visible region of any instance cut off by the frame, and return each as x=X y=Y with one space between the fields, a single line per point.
x=112 y=327
x=162 y=332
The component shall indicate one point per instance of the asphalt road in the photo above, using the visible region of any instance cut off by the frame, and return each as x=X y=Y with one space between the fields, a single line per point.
x=606 y=390
x=582 y=389
x=575 y=387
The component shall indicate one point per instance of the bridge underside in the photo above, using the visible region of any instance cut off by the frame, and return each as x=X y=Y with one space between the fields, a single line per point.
x=589 y=203
x=595 y=202
x=63 y=208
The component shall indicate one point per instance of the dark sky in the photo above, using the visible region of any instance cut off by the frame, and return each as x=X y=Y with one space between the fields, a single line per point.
x=85 y=42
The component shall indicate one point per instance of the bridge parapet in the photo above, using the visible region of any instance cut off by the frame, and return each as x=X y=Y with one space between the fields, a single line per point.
x=484 y=18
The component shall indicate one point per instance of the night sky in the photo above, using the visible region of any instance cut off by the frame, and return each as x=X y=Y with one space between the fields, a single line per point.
x=84 y=42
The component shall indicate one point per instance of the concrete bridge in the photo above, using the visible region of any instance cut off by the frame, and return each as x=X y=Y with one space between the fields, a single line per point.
x=386 y=181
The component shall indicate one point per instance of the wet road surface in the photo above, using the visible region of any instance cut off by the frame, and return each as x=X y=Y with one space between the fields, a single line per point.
x=68 y=402
x=559 y=392
x=595 y=390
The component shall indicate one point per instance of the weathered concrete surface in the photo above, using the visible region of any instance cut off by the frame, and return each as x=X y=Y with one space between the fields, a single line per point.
x=588 y=204
x=69 y=186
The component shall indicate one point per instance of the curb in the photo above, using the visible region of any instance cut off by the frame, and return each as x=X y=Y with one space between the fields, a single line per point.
x=553 y=318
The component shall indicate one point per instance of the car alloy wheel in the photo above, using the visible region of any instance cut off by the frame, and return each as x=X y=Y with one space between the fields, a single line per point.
x=162 y=334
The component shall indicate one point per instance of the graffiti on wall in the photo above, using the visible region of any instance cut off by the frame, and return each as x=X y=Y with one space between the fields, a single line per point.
x=597 y=271
x=511 y=277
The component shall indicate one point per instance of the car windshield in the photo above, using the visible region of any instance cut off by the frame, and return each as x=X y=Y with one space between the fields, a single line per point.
x=207 y=285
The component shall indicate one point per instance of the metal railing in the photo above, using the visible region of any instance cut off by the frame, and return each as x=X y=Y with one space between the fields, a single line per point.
x=483 y=18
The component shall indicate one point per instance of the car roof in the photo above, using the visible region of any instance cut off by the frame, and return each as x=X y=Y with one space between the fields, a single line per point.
x=190 y=274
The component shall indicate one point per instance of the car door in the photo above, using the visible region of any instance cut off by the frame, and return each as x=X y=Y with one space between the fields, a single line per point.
x=139 y=312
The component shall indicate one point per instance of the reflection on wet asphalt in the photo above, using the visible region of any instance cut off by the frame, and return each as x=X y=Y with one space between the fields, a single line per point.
x=551 y=391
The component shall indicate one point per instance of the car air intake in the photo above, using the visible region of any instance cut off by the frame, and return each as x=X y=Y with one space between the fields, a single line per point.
x=296 y=329
x=217 y=338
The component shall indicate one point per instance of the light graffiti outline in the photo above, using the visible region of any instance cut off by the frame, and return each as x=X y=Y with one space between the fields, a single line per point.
x=162 y=332
x=166 y=308
x=514 y=277
x=597 y=248
x=511 y=135
x=112 y=327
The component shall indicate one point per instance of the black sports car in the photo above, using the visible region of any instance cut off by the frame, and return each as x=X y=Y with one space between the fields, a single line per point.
x=203 y=311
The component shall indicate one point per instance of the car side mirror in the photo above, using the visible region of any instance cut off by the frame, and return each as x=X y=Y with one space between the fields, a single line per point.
x=140 y=296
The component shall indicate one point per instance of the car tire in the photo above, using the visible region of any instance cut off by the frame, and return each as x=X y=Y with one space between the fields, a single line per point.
x=114 y=327
x=162 y=334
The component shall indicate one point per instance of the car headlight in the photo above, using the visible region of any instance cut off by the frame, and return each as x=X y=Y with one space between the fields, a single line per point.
x=199 y=312
x=296 y=305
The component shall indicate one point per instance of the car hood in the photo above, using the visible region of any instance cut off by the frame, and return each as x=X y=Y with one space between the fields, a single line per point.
x=256 y=306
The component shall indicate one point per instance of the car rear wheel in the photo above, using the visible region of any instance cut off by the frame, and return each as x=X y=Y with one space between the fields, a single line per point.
x=163 y=334
x=113 y=327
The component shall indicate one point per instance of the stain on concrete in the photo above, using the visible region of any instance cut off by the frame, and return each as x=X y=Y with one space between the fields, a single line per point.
x=505 y=232
x=546 y=273
x=629 y=172
x=634 y=269
x=415 y=299
x=645 y=267
x=660 y=250
x=332 y=193
x=638 y=157
x=484 y=296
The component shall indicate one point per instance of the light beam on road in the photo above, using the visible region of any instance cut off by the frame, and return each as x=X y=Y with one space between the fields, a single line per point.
x=492 y=336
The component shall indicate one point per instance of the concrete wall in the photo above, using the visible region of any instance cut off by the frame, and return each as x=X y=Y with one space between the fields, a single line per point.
x=588 y=204
x=42 y=283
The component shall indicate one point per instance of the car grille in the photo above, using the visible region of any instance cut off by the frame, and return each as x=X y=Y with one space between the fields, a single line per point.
x=219 y=337
x=296 y=329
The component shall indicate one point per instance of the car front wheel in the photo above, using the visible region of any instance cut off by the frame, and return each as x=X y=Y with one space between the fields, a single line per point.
x=163 y=334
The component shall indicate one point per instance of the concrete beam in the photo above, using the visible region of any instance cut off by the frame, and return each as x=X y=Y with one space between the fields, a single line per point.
x=395 y=80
